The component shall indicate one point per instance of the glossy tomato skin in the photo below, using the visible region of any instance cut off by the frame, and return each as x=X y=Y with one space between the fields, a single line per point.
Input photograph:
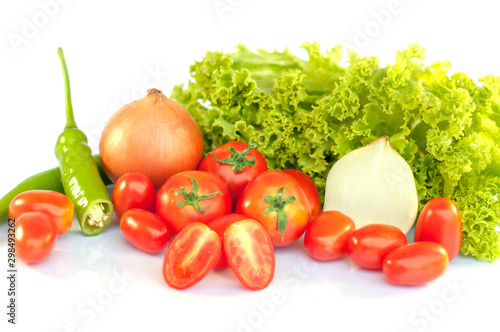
x=235 y=181
x=133 y=190
x=309 y=188
x=440 y=222
x=219 y=225
x=145 y=230
x=56 y=205
x=36 y=235
x=250 y=253
x=369 y=245
x=327 y=234
x=252 y=203
x=415 y=263
x=170 y=198
x=191 y=255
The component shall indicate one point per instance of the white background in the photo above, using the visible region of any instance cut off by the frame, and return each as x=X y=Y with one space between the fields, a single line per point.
x=112 y=47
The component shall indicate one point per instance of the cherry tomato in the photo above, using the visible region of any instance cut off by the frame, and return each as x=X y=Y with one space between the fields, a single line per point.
x=191 y=255
x=133 y=190
x=192 y=196
x=219 y=225
x=145 y=230
x=326 y=236
x=236 y=163
x=369 y=245
x=36 y=235
x=309 y=188
x=276 y=200
x=440 y=222
x=250 y=253
x=56 y=205
x=415 y=263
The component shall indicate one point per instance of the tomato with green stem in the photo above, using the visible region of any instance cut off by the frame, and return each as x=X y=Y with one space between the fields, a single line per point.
x=310 y=189
x=133 y=190
x=36 y=235
x=145 y=230
x=219 y=225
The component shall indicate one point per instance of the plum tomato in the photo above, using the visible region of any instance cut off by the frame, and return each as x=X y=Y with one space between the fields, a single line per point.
x=219 y=225
x=133 y=190
x=36 y=235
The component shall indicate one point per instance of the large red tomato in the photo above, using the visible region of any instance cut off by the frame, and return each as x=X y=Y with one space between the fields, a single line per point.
x=309 y=188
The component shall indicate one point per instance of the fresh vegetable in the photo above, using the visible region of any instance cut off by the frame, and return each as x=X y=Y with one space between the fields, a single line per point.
x=415 y=263
x=57 y=206
x=47 y=180
x=79 y=174
x=133 y=190
x=373 y=185
x=145 y=230
x=250 y=253
x=309 y=113
x=369 y=245
x=327 y=234
x=192 y=196
x=277 y=201
x=191 y=255
x=440 y=222
x=236 y=163
x=219 y=225
x=307 y=184
x=153 y=135
x=36 y=235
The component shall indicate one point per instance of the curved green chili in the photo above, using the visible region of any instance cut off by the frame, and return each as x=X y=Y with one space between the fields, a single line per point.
x=79 y=173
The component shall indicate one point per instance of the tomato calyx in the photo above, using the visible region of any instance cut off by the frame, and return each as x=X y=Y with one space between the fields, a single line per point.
x=277 y=204
x=237 y=160
x=193 y=198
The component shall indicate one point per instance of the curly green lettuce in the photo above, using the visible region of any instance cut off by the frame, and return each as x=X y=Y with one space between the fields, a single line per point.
x=307 y=114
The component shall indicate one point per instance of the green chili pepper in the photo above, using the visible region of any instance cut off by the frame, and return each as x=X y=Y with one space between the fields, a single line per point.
x=79 y=173
x=48 y=180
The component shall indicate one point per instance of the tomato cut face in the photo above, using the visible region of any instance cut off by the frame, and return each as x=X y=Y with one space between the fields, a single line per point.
x=191 y=255
x=36 y=235
x=219 y=225
x=250 y=253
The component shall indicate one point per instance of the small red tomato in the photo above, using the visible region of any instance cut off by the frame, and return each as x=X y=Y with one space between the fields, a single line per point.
x=192 y=196
x=326 y=235
x=219 y=225
x=133 y=190
x=56 y=205
x=309 y=188
x=250 y=253
x=440 y=222
x=236 y=163
x=416 y=263
x=369 y=245
x=191 y=255
x=145 y=230
x=36 y=235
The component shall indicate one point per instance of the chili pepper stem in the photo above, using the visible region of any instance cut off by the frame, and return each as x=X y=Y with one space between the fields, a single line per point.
x=70 y=118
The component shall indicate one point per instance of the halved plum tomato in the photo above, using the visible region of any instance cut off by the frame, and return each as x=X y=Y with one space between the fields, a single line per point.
x=309 y=188
x=416 y=263
x=56 y=205
x=36 y=235
x=219 y=225
x=250 y=253
x=145 y=230
x=191 y=255
x=237 y=163
x=133 y=190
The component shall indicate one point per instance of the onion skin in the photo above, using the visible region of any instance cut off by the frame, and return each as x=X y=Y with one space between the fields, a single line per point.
x=153 y=135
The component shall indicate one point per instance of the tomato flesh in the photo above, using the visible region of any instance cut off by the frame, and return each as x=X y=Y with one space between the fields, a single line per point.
x=219 y=225
x=191 y=255
x=250 y=253
x=36 y=235
x=133 y=190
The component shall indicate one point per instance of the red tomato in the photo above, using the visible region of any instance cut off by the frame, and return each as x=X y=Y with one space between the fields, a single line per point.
x=326 y=235
x=56 y=205
x=369 y=245
x=219 y=225
x=250 y=253
x=133 y=190
x=192 y=196
x=416 y=263
x=191 y=255
x=440 y=222
x=309 y=188
x=276 y=200
x=36 y=235
x=236 y=163
x=145 y=230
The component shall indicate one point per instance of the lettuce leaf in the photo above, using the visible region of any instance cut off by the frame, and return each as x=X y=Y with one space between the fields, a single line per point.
x=307 y=114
